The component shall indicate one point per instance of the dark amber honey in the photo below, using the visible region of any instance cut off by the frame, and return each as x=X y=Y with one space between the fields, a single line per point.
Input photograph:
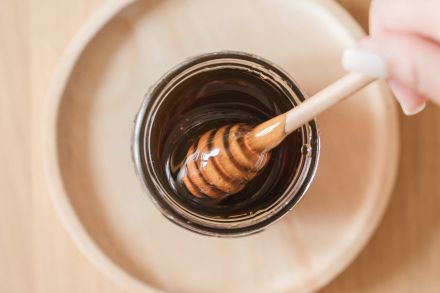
x=210 y=100
x=206 y=92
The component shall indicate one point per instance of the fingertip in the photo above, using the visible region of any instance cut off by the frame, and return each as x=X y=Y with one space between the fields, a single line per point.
x=365 y=62
x=410 y=102
x=411 y=61
x=413 y=110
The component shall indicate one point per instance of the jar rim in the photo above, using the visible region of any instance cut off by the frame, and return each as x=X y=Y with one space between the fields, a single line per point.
x=142 y=156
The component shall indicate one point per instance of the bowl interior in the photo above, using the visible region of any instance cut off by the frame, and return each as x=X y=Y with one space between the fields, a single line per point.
x=302 y=252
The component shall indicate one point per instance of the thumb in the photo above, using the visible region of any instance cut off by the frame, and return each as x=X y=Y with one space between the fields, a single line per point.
x=411 y=67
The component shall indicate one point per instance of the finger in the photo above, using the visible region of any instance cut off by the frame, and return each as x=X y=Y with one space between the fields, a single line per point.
x=410 y=101
x=373 y=65
x=409 y=60
x=419 y=17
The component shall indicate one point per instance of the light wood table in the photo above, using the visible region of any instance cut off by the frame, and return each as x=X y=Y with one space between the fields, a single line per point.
x=37 y=255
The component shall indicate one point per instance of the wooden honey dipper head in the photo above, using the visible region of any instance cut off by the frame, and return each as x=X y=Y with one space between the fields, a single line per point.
x=224 y=160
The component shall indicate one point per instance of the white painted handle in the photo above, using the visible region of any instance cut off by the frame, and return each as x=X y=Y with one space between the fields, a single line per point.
x=324 y=99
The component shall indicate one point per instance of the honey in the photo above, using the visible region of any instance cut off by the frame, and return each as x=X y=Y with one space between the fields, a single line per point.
x=214 y=99
x=208 y=92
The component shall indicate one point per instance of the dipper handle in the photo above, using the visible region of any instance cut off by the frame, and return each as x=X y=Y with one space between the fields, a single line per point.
x=222 y=161
x=269 y=134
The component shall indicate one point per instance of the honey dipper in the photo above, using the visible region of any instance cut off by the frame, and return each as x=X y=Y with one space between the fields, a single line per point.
x=224 y=160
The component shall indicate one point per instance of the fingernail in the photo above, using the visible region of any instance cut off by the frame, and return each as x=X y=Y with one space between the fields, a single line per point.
x=366 y=62
x=410 y=102
x=409 y=111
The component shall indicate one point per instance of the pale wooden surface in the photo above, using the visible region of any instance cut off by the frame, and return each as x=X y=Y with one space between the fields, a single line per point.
x=304 y=250
x=38 y=256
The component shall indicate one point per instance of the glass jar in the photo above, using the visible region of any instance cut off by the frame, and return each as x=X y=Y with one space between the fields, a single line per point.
x=230 y=81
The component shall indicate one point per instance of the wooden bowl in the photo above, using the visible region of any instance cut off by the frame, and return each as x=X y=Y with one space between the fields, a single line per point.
x=119 y=53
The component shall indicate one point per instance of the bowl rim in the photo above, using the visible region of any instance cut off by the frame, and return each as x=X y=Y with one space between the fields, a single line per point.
x=50 y=164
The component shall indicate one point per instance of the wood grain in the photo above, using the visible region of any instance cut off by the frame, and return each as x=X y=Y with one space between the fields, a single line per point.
x=15 y=204
x=325 y=231
x=37 y=255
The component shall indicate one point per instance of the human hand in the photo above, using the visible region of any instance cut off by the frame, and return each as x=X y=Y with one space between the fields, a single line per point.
x=404 y=48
